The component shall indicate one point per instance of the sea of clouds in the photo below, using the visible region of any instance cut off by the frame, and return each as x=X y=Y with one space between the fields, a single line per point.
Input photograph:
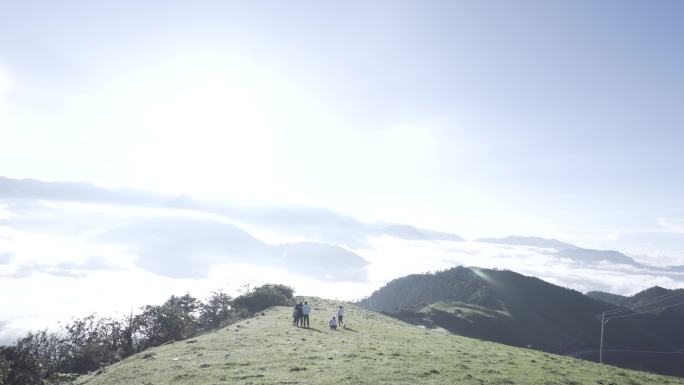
x=65 y=255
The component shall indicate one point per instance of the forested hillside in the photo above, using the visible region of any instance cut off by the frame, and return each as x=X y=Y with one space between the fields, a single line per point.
x=372 y=349
x=507 y=307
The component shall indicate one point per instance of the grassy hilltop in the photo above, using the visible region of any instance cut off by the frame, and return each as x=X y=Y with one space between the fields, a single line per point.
x=375 y=349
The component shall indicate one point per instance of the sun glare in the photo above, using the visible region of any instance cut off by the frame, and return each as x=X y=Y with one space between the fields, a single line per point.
x=204 y=126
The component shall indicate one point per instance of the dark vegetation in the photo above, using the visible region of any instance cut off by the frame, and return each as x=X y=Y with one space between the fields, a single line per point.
x=373 y=349
x=653 y=300
x=87 y=344
x=510 y=308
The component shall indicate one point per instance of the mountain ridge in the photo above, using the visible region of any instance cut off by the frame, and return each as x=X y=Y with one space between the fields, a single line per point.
x=510 y=308
x=533 y=241
x=303 y=221
x=372 y=349
x=653 y=300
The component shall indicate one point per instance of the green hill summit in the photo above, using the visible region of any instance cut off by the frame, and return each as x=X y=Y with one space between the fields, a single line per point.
x=511 y=308
x=372 y=349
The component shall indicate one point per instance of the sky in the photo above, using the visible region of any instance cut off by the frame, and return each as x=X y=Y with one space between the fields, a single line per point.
x=482 y=118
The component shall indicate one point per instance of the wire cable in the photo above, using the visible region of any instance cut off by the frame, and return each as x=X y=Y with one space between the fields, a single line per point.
x=647 y=302
x=644 y=312
x=642 y=304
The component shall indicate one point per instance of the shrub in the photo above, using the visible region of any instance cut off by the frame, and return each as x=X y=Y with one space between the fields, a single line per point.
x=264 y=297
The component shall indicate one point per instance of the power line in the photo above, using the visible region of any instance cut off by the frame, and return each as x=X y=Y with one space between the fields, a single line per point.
x=645 y=303
x=604 y=321
x=636 y=308
x=645 y=311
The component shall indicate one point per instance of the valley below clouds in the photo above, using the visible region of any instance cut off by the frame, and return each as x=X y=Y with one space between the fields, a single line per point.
x=72 y=249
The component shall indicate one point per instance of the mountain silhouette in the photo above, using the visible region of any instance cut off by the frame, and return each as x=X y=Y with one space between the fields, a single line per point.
x=517 y=240
x=514 y=309
x=188 y=247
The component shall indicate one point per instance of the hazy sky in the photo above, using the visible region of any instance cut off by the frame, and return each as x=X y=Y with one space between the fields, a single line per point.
x=555 y=118
x=313 y=120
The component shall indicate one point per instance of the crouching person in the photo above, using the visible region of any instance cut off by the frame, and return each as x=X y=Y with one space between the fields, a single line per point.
x=333 y=324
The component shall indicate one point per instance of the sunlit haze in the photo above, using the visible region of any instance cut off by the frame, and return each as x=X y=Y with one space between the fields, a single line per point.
x=247 y=133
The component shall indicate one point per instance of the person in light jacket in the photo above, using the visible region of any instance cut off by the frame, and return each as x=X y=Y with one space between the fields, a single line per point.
x=306 y=310
x=340 y=315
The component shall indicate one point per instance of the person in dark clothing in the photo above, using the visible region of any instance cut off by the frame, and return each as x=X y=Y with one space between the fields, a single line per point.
x=306 y=309
x=295 y=316
x=300 y=314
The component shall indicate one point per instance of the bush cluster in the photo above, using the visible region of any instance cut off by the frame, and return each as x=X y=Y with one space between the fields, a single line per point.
x=89 y=343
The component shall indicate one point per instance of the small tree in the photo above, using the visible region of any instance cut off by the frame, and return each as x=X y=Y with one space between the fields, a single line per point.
x=263 y=297
x=217 y=309
x=91 y=343
x=4 y=366
x=34 y=359
x=187 y=303
x=159 y=324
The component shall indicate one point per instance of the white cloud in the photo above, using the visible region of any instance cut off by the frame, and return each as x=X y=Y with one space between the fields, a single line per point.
x=4 y=81
x=55 y=260
x=5 y=106
x=4 y=212
x=672 y=225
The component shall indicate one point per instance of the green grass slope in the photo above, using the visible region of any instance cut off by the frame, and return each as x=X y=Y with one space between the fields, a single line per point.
x=374 y=349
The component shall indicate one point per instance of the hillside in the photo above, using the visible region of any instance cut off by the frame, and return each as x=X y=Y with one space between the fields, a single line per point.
x=651 y=300
x=375 y=349
x=496 y=305
x=614 y=299
x=514 y=309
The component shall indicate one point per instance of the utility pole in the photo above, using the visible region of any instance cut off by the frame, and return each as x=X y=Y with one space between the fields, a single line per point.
x=603 y=322
x=129 y=333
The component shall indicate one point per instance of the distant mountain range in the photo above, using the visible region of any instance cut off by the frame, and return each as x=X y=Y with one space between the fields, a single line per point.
x=319 y=225
x=416 y=234
x=593 y=256
x=577 y=254
x=187 y=248
x=518 y=310
x=310 y=222
x=76 y=192
x=530 y=241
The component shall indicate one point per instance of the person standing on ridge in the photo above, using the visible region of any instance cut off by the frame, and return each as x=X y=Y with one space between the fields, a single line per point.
x=300 y=314
x=295 y=315
x=306 y=309
x=340 y=315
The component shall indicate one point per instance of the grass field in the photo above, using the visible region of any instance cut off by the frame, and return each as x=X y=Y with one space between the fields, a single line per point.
x=373 y=349
x=465 y=310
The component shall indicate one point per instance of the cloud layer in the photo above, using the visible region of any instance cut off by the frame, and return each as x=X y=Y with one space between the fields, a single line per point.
x=71 y=249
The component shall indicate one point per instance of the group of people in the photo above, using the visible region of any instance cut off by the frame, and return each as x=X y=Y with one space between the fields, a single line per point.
x=301 y=311
x=340 y=319
x=300 y=314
